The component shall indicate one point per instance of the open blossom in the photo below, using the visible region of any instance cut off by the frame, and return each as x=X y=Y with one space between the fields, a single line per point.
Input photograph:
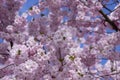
x=34 y=10
x=9 y=28
x=41 y=56
x=10 y=77
x=26 y=69
x=18 y=50
x=29 y=66
x=115 y=15
x=63 y=34
x=89 y=60
x=30 y=42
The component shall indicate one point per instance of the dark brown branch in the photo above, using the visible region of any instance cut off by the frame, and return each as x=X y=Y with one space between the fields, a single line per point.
x=61 y=60
x=107 y=8
x=113 y=25
x=6 y=66
x=110 y=74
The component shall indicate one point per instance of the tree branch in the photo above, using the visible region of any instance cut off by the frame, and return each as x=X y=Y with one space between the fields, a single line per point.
x=113 y=25
x=110 y=74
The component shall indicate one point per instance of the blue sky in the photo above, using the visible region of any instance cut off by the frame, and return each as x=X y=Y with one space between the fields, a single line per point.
x=30 y=3
x=111 y=7
x=27 y=5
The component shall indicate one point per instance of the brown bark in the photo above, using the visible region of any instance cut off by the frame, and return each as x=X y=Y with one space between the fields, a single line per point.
x=113 y=25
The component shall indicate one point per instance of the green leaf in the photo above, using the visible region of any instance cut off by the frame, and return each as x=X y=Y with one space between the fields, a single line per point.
x=19 y=52
x=41 y=32
x=30 y=8
x=61 y=60
x=72 y=58
x=80 y=74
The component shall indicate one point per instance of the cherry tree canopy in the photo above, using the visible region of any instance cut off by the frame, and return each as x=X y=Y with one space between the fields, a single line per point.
x=69 y=43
